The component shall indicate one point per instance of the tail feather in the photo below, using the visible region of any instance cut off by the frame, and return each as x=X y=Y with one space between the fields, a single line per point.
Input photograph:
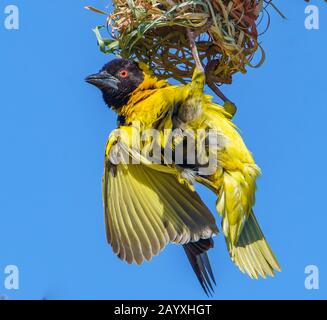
x=252 y=254
x=198 y=257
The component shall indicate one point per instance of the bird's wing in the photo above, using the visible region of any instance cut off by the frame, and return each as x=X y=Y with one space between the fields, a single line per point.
x=145 y=209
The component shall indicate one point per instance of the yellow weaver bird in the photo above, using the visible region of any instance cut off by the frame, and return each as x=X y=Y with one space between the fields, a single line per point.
x=148 y=206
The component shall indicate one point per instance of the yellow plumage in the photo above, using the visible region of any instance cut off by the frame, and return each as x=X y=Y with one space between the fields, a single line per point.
x=148 y=206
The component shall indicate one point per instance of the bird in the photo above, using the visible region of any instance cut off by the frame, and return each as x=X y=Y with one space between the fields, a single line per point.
x=149 y=205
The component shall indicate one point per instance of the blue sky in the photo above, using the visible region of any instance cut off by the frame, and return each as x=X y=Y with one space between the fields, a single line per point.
x=53 y=128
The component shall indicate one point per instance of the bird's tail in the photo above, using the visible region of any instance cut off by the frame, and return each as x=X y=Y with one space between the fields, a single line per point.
x=246 y=243
x=252 y=254
x=197 y=253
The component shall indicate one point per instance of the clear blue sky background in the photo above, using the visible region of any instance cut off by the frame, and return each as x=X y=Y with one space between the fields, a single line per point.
x=53 y=128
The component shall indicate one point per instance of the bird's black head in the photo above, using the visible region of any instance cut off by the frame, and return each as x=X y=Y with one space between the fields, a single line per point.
x=117 y=80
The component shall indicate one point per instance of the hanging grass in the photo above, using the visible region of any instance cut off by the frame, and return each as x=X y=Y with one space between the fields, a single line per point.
x=155 y=32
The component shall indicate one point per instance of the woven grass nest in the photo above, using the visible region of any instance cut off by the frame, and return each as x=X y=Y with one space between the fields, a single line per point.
x=155 y=32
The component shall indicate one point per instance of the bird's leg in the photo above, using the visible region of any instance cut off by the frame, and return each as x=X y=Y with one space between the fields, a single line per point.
x=217 y=91
x=229 y=106
x=194 y=49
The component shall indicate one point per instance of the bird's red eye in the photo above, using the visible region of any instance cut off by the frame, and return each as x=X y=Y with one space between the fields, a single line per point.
x=124 y=73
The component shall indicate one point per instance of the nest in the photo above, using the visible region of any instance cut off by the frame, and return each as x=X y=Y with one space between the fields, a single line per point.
x=155 y=32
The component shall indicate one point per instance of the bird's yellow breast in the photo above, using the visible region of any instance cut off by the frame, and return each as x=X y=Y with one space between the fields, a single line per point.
x=149 y=103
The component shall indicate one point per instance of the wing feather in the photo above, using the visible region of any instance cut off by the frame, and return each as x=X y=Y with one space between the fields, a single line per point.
x=145 y=209
x=148 y=219
x=132 y=234
x=125 y=234
x=139 y=225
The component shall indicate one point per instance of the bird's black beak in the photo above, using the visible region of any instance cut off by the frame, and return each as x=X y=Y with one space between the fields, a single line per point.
x=103 y=80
